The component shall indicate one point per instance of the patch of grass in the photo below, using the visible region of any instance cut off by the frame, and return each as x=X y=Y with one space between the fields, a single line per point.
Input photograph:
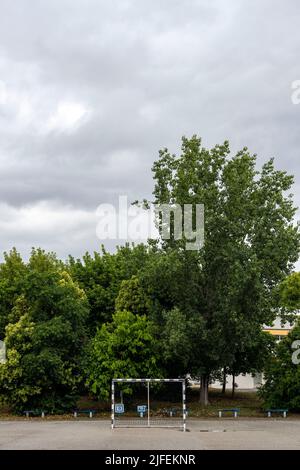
x=248 y=402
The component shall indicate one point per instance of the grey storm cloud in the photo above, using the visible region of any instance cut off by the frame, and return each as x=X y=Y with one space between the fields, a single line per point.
x=90 y=90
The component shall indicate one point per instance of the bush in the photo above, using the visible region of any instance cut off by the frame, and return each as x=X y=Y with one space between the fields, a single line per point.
x=282 y=375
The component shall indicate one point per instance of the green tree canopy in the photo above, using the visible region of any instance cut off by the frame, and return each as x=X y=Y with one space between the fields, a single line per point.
x=282 y=374
x=290 y=292
x=250 y=245
x=44 y=338
x=12 y=272
x=123 y=348
x=101 y=275
x=132 y=297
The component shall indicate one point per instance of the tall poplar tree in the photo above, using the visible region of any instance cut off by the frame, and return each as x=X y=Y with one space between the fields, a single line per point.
x=251 y=244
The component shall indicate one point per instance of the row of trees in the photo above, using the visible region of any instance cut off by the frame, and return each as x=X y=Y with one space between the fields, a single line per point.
x=156 y=309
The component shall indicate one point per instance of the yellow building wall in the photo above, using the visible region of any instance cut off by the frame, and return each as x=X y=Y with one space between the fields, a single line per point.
x=278 y=332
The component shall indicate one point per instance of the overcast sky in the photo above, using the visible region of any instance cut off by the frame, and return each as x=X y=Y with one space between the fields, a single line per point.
x=90 y=90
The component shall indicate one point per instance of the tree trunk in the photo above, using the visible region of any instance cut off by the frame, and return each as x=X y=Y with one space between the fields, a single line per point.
x=224 y=381
x=204 y=390
x=233 y=387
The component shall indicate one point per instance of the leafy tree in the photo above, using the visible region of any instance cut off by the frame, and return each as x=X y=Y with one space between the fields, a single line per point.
x=253 y=355
x=177 y=342
x=44 y=338
x=171 y=278
x=126 y=347
x=290 y=292
x=12 y=272
x=132 y=297
x=250 y=245
x=282 y=374
x=101 y=275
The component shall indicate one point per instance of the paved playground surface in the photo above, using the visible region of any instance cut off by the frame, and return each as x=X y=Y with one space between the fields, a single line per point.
x=203 y=434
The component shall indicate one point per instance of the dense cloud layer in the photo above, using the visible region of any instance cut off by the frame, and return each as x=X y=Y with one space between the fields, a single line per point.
x=90 y=90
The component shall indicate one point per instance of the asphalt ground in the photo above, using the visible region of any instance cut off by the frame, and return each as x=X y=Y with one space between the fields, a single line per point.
x=207 y=434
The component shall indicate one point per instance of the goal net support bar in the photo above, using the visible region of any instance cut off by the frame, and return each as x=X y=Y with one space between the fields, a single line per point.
x=148 y=382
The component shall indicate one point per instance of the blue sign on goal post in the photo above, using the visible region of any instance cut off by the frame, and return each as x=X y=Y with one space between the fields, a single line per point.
x=141 y=409
x=119 y=408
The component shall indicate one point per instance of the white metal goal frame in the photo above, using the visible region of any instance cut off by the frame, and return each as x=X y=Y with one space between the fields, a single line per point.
x=148 y=382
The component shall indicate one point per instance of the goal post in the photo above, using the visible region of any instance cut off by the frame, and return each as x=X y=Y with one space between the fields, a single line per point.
x=135 y=414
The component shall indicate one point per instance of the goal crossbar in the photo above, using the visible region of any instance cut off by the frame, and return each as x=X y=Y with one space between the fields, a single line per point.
x=148 y=381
